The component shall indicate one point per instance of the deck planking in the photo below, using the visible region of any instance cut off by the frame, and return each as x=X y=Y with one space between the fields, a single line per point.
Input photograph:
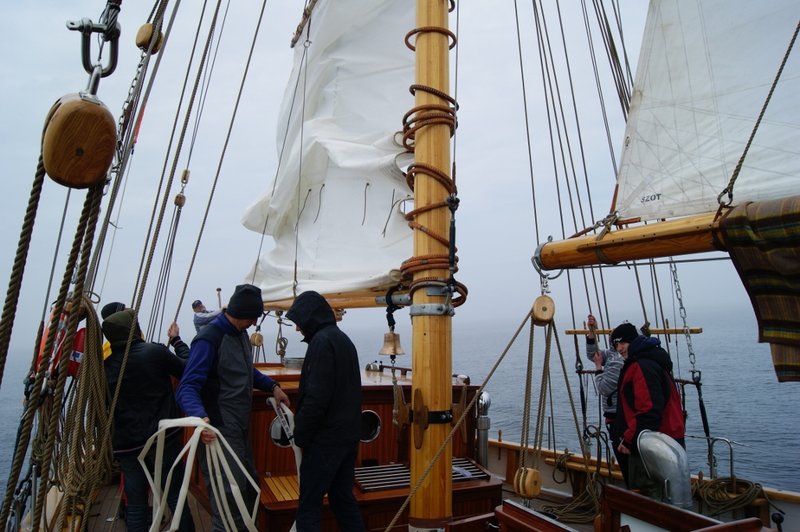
x=104 y=516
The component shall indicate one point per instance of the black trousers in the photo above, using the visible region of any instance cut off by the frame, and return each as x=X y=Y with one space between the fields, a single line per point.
x=328 y=470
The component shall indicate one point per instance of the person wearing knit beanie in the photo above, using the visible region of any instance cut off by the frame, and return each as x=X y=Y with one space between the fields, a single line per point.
x=648 y=399
x=105 y=313
x=624 y=333
x=245 y=303
x=141 y=374
x=111 y=308
x=217 y=387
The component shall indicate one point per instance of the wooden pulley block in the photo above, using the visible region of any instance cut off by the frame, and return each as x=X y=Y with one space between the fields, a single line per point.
x=257 y=339
x=79 y=141
x=180 y=199
x=527 y=482
x=544 y=308
x=145 y=34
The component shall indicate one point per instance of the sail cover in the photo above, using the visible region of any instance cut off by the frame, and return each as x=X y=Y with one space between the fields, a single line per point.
x=704 y=72
x=333 y=209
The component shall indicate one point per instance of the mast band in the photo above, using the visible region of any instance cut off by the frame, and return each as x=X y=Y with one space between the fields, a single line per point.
x=431 y=309
x=439 y=417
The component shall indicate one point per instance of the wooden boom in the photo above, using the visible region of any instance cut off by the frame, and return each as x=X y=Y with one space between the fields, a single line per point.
x=682 y=236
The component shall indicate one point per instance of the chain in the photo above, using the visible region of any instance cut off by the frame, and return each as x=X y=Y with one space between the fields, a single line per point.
x=682 y=311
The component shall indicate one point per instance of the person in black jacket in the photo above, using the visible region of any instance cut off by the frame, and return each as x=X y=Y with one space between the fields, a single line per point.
x=328 y=417
x=648 y=399
x=145 y=397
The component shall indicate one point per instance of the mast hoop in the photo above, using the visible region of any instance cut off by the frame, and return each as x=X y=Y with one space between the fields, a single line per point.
x=427 y=115
x=442 y=177
x=430 y=29
x=436 y=92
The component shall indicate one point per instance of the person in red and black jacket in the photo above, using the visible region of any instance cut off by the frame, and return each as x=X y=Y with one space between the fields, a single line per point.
x=647 y=396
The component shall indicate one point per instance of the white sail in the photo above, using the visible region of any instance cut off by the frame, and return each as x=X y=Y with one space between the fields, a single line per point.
x=333 y=210
x=704 y=72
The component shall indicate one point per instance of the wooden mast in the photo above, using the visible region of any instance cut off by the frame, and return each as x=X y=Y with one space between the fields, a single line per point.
x=431 y=507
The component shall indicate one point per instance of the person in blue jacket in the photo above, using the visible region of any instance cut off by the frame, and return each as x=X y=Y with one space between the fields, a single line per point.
x=217 y=385
x=327 y=423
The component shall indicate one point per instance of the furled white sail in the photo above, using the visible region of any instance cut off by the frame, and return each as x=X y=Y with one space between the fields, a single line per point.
x=333 y=210
x=704 y=72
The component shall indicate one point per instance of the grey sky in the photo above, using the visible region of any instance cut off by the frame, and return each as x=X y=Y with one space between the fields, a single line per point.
x=496 y=234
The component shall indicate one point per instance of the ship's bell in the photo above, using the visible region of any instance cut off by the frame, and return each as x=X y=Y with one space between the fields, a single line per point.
x=391 y=345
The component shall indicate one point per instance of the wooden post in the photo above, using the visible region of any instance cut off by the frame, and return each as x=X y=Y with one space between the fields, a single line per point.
x=431 y=507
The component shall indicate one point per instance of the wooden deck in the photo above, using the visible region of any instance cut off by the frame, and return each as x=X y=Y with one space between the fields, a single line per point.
x=104 y=515
x=379 y=492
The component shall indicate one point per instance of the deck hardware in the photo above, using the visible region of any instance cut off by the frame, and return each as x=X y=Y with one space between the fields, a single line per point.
x=543 y=310
x=457 y=410
x=431 y=309
x=420 y=412
x=421 y=417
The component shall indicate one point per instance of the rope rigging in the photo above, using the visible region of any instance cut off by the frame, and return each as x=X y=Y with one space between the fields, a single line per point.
x=79 y=412
x=591 y=282
x=557 y=85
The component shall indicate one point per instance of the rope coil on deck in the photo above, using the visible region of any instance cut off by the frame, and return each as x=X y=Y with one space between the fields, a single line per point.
x=727 y=494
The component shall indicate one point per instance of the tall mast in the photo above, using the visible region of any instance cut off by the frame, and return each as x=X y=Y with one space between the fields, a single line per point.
x=431 y=507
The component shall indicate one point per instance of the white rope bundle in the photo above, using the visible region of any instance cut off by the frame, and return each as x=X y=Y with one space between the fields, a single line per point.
x=219 y=471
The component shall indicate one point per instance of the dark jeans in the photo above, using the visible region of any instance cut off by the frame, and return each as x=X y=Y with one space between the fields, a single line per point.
x=328 y=470
x=137 y=512
x=622 y=459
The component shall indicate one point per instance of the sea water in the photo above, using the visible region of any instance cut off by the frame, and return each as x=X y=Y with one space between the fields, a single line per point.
x=743 y=399
x=744 y=402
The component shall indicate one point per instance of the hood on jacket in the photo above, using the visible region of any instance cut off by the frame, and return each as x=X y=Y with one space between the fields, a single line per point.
x=311 y=312
x=117 y=327
x=650 y=347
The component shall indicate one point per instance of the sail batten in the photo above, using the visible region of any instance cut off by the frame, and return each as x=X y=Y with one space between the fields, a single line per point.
x=704 y=72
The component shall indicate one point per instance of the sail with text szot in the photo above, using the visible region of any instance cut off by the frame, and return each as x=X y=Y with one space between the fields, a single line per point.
x=704 y=72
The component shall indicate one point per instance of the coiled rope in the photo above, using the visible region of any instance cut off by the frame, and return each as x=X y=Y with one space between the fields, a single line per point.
x=219 y=471
x=727 y=494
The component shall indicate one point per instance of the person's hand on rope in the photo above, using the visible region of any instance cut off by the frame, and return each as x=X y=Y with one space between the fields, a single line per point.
x=280 y=395
x=591 y=324
x=207 y=436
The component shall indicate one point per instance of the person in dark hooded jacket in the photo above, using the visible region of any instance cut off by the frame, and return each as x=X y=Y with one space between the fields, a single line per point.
x=328 y=416
x=145 y=397
x=648 y=397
